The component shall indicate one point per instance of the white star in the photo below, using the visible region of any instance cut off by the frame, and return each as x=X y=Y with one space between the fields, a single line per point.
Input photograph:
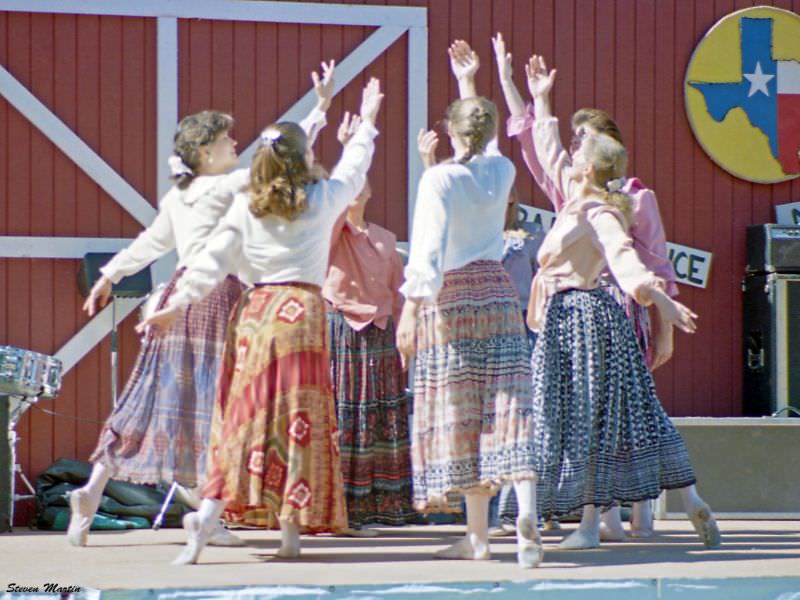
x=758 y=81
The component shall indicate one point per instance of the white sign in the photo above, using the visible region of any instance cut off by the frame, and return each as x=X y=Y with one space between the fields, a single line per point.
x=691 y=265
x=788 y=214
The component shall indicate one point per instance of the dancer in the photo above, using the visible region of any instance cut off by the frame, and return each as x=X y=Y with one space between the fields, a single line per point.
x=274 y=444
x=601 y=434
x=472 y=427
x=364 y=303
x=159 y=430
x=649 y=241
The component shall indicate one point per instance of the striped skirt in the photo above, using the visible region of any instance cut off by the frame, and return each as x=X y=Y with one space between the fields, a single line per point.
x=160 y=428
x=274 y=443
x=373 y=410
x=473 y=422
x=601 y=435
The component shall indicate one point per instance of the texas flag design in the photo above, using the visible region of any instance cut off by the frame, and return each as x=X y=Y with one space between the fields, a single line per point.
x=768 y=92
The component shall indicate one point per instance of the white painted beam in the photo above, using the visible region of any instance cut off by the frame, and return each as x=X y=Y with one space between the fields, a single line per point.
x=231 y=10
x=417 y=109
x=167 y=96
x=57 y=247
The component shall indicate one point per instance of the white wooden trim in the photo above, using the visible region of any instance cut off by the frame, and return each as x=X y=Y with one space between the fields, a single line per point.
x=167 y=96
x=94 y=331
x=231 y=10
x=57 y=247
x=355 y=62
x=417 y=110
x=75 y=148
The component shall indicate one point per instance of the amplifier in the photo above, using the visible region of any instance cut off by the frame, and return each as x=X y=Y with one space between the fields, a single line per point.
x=773 y=248
x=134 y=286
x=771 y=344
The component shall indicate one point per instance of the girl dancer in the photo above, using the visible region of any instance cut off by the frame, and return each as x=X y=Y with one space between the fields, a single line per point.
x=649 y=241
x=364 y=302
x=159 y=430
x=472 y=426
x=601 y=434
x=274 y=451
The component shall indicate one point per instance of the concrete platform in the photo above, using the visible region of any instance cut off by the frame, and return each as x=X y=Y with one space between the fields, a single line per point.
x=140 y=559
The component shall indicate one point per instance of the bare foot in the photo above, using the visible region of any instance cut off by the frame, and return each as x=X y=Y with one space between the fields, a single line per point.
x=465 y=549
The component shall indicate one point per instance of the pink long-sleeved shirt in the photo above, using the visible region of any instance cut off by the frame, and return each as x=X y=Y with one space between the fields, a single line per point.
x=646 y=227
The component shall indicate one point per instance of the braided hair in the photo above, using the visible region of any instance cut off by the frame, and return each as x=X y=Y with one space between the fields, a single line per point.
x=473 y=120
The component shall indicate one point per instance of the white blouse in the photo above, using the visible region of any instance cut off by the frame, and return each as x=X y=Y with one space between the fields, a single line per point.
x=458 y=219
x=272 y=249
x=187 y=217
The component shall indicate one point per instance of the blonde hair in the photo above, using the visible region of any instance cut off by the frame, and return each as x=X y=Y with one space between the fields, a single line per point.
x=473 y=120
x=609 y=160
x=195 y=131
x=279 y=173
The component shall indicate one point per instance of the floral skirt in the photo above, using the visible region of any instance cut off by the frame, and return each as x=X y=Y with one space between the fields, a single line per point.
x=601 y=435
x=473 y=421
x=274 y=443
x=373 y=410
x=160 y=428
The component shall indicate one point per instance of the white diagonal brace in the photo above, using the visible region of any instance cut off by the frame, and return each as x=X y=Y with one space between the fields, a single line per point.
x=94 y=331
x=232 y=10
x=75 y=148
x=355 y=62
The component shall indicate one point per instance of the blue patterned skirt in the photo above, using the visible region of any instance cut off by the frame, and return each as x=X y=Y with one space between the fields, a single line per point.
x=601 y=435
x=473 y=425
x=160 y=429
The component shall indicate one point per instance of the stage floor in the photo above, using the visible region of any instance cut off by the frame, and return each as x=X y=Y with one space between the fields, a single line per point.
x=138 y=560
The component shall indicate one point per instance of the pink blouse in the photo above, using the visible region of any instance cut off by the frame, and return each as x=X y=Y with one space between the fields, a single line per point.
x=364 y=275
x=646 y=227
x=587 y=237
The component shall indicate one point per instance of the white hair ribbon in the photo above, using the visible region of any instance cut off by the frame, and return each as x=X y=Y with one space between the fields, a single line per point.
x=177 y=167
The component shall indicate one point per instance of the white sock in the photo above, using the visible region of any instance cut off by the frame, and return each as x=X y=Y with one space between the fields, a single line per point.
x=97 y=481
x=642 y=515
x=691 y=499
x=209 y=513
x=529 y=548
x=290 y=539
x=611 y=527
x=587 y=535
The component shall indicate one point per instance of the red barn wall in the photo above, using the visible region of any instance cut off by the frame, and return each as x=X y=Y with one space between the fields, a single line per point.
x=98 y=74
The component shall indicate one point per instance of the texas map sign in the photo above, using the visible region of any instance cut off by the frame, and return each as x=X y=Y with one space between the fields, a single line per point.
x=743 y=94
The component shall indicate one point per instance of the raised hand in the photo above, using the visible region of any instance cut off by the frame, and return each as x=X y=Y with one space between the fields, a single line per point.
x=347 y=128
x=464 y=62
x=98 y=297
x=426 y=145
x=371 y=101
x=540 y=80
x=502 y=57
x=323 y=86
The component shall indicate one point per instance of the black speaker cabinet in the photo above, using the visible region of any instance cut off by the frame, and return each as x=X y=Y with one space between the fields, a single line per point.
x=135 y=286
x=773 y=248
x=771 y=321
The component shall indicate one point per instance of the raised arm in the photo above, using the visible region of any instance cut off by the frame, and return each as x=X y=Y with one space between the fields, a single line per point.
x=324 y=86
x=514 y=102
x=464 y=63
x=632 y=276
x=350 y=173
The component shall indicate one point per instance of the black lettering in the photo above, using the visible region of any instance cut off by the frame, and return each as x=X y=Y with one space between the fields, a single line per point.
x=693 y=271
x=796 y=216
x=676 y=260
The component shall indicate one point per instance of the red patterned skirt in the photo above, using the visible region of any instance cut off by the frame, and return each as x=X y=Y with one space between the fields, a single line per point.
x=274 y=449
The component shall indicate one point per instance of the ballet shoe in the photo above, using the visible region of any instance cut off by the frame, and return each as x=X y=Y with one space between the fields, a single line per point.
x=465 y=550
x=504 y=530
x=221 y=536
x=82 y=511
x=357 y=533
x=609 y=534
x=196 y=540
x=705 y=526
x=529 y=544
x=580 y=540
